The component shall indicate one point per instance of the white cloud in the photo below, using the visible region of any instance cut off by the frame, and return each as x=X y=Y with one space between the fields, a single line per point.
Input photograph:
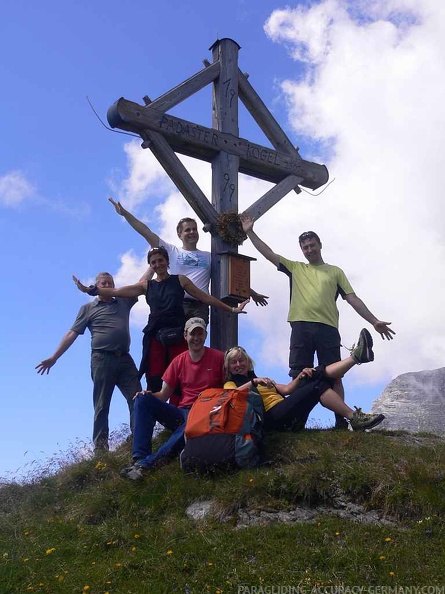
x=371 y=91
x=14 y=189
x=374 y=89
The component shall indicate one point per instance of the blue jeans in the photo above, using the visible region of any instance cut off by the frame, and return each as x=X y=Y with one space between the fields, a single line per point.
x=147 y=410
x=107 y=371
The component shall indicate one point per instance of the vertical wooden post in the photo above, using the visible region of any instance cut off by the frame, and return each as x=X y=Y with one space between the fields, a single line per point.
x=224 y=327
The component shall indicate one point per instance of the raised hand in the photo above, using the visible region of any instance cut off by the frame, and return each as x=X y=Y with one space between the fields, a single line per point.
x=246 y=222
x=383 y=330
x=118 y=206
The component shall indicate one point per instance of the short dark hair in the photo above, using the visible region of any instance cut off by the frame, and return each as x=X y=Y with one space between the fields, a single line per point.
x=99 y=274
x=308 y=235
x=184 y=220
x=158 y=250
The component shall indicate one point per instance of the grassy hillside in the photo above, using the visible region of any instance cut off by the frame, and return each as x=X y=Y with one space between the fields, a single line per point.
x=331 y=509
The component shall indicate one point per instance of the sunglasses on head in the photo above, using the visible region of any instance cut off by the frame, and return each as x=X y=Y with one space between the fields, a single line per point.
x=235 y=348
x=308 y=235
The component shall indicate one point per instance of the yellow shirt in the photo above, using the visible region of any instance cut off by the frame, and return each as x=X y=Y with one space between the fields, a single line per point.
x=269 y=395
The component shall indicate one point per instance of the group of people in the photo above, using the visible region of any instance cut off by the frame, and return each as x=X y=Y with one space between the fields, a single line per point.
x=176 y=288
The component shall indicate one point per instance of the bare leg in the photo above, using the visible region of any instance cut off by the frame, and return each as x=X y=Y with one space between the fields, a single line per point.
x=338 y=369
x=331 y=400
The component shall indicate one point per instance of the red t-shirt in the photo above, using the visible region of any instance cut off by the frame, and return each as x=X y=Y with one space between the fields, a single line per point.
x=193 y=377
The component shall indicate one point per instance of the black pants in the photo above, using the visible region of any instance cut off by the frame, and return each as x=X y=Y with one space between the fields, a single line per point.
x=291 y=414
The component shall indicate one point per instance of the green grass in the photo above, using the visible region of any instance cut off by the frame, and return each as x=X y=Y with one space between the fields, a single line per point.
x=85 y=529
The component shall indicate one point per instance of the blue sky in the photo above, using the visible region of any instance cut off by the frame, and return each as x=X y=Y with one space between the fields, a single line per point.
x=358 y=86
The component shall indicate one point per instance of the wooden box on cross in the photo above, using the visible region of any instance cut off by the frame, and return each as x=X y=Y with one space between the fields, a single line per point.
x=235 y=277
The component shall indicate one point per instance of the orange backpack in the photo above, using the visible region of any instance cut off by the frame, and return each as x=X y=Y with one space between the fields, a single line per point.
x=224 y=429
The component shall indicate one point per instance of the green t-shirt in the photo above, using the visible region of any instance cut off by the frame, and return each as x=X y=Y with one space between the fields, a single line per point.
x=314 y=291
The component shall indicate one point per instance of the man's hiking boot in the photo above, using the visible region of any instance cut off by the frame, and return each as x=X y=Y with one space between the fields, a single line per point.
x=362 y=421
x=134 y=473
x=362 y=352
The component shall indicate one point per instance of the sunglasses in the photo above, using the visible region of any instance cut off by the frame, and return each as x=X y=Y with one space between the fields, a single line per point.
x=235 y=348
x=308 y=235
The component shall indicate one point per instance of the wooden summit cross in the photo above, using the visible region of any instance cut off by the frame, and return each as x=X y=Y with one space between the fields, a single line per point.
x=220 y=145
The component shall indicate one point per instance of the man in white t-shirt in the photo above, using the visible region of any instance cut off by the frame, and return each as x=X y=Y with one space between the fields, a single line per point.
x=186 y=260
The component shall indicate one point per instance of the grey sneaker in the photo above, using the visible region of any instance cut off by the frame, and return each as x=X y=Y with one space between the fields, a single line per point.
x=362 y=421
x=362 y=352
x=134 y=473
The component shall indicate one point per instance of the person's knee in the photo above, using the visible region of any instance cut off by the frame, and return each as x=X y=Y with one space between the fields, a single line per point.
x=144 y=402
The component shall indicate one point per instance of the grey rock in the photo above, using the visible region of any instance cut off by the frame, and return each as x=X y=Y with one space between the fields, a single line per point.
x=414 y=402
x=198 y=510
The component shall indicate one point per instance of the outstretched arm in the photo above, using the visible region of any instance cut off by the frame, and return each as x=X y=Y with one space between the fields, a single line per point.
x=135 y=290
x=264 y=249
x=65 y=343
x=363 y=311
x=137 y=225
x=193 y=290
x=258 y=298
x=148 y=275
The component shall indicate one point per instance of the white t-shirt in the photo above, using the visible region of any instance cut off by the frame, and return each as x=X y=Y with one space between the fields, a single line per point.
x=194 y=264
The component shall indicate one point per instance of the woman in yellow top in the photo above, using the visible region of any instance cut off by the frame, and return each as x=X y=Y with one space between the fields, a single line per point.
x=287 y=406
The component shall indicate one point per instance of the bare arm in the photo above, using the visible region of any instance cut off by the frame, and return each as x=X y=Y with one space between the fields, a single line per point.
x=64 y=345
x=137 y=225
x=193 y=290
x=263 y=248
x=286 y=389
x=139 y=288
x=148 y=275
x=363 y=311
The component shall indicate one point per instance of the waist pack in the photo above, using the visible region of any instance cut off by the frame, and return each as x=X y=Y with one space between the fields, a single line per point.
x=169 y=336
x=224 y=429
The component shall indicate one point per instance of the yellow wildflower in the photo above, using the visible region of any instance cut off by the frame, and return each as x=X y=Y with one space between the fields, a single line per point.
x=51 y=550
x=387 y=539
x=169 y=552
x=382 y=557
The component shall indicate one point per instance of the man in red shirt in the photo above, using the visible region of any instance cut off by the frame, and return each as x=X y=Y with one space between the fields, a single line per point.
x=189 y=373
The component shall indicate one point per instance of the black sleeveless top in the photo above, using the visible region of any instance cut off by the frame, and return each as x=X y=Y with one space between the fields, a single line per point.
x=165 y=300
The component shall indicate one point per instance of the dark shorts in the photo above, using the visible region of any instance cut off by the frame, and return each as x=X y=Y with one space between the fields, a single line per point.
x=308 y=338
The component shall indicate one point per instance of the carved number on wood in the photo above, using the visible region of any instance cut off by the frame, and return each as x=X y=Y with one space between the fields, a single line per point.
x=231 y=187
x=229 y=90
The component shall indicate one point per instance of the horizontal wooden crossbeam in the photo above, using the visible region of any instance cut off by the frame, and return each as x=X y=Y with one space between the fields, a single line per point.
x=205 y=143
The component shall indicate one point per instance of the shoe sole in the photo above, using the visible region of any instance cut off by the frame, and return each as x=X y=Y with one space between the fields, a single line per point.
x=368 y=342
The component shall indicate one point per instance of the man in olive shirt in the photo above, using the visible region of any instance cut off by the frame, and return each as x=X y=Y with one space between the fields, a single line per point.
x=313 y=313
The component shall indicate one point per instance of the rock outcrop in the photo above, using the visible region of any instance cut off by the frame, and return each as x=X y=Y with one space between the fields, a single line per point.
x=414 y=402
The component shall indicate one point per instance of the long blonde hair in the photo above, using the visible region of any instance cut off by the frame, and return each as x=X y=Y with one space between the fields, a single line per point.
x=233 y=352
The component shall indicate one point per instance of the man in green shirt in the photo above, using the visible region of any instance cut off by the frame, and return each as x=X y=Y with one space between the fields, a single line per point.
x=313 y=313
